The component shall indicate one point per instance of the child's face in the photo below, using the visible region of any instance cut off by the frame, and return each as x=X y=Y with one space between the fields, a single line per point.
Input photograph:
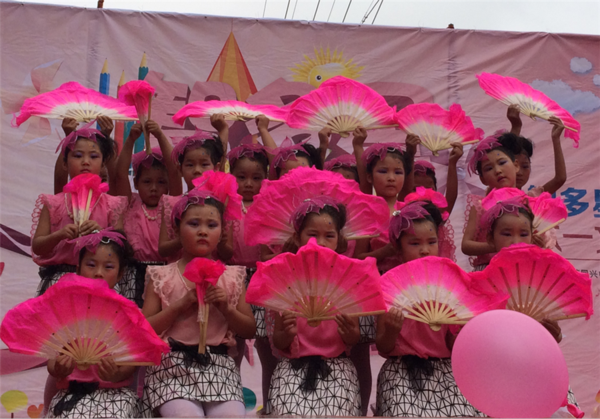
x=423 y=242
x=200 y=230
x=511 y=229
x=524 y=170
x=291 y=164
x=104 y=264
x=388 y=176
x=85 y=157
x=424 y=181
x=347 y=173
x=498 y=171
x=249 y=175
x=152 y=183
x=322 y=228
x=196 y=162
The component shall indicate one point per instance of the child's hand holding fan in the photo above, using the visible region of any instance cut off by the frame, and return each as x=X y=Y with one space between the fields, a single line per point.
x=85 y=190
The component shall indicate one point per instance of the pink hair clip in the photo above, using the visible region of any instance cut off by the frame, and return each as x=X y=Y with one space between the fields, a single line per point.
x=380 y=150
x=429 y=195
x=93 y=240
x=86 y=132
x=508 y=206
x=222 y=187
x=193 y=197
x=402 y=219
x=481 y=151
x=145 y=159
x=344 y=161
x=245 y=150
x=197 y=139
x=310 y=205
x=421 y=166
x=288 y=150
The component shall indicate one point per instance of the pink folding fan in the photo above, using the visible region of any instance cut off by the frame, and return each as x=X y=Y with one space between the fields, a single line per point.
x=86 y=320
x=317 y=284
x=203 y=272
x=85 y=190
x=531 y=102
x=269 y=218
x=436 y=291
x=341 y=104
x=139 y=93
x=539 y=282
x=232 y=109
x=436 y=127
x=72 y=100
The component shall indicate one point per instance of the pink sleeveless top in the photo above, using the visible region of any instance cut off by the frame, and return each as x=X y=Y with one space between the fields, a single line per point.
x=417 y=338
x=480 y=236
x=165 y=206
x=91 y=376
x=106 y=212
x=170 y=287
x=243 y=254
x=142 y=231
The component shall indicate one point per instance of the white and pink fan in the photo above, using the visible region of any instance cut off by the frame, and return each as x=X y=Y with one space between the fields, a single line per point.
x=72 y=100
x=531 y=102
x=86 y=320
x=436 y=291
x=85 y=190
x=203 y=272
x=539 y=282
x=138 y=93
x=317 y=284
x=269 y=218
x=436 y=127
x=232 y=109
x=341 y=104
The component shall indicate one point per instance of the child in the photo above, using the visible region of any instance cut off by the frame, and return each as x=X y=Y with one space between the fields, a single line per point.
x=497 y=168
x=523 y=151
x=84 y=151
x=101 y=391
x=249 y=164
x=153 y=177
x=193 y=156
x=188 y=384
x=314 y=377
x=345 y=165
x=416 y=380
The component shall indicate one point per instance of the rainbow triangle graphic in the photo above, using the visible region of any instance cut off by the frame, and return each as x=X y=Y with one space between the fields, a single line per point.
x=231 y=68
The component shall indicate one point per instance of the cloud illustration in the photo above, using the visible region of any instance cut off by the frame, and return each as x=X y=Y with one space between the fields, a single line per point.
x=575 y=101
x=580 y=65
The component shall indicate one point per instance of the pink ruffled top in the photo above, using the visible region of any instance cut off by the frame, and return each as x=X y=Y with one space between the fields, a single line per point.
x=323 y=340
x=165 y=207
x=417 y=338
x=91 y=376
x=480 y=236
x=142 y=232
x=106 y=212
x=243 y=254
x=169 y=285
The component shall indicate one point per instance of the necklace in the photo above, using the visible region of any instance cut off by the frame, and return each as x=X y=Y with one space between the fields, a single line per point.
x=146 y=213
x=181 y=277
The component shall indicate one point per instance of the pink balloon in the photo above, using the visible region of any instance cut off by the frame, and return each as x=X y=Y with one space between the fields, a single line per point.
x=508 y=365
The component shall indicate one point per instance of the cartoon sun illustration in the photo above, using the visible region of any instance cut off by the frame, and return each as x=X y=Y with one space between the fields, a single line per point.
x=325 y=66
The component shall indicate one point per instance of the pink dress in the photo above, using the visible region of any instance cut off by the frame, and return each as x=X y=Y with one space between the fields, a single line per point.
x=243 y=254
x=142 y=231
x=417 y=338
x=481 y=261
x=165 y=207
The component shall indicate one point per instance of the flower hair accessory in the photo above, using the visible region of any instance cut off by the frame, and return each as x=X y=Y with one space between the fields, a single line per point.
x=508 y=206
x=287 y=151
x=344 y=161
x=245 y=150
x=402 y=219
x=93 y=240
x=310 y=205
x=193 y=197
x=197 y=139
x=481 y=151
x=380 y=150
x=429 y=195
x=86 y=132
x=145 y=159
x=421 y=167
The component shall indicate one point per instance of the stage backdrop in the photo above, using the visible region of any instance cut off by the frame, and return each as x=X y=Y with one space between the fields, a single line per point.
x=189 y=58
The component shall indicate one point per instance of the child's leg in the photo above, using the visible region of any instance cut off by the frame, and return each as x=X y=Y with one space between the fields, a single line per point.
x=181 y=408
x=361 y=358
x=241 y=349
x=268 y=363
x=49 y=392
x=229 y=409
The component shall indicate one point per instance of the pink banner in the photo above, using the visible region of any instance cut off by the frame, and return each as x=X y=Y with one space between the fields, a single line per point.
x=274 y=62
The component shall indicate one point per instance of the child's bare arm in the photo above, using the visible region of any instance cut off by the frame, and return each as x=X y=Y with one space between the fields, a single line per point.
x=44 y=241
x=239 y=318
x=514 y=116
x=285 y=330
x=360 y=135
x=123 y=187
x=175 y=185
x=324 y=142
x=412 y=141
x=560 y=169
x=470 y=246
x=166 y=246
x=452 y=180
x=218 y=122
x=388 y=328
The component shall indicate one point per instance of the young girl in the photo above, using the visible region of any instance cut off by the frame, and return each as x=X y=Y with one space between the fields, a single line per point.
x=153 y=177
x=497 y=168
x=192 y=156
x=84 y=151
x=103 y=390
x=188 y=384
x=314 y=377
x=345 y=165
x=416 y=380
